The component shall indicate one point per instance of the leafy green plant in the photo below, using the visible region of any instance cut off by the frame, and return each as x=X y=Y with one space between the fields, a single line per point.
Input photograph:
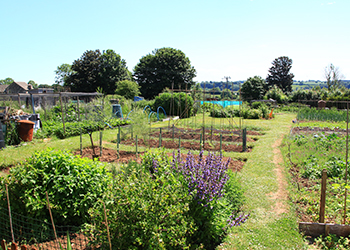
x=69 y=245
x=73 y=184
x=333 y=242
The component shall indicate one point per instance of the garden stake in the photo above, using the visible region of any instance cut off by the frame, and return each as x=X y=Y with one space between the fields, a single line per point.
x=81 y=142
x=53 y=224
x=160 y=137
x=118 y=149
x=203 y=134
x=136 y=146
x=8 y=204
x=346 y=158
x=119 y=133
x=323 y=196
x=109 y=237
x=100 y=143
x=211 y=134
x=132 y=132
x=64 y=127
x=244 y=139
x=200 y=143
x=173 y=131
x=92 y=142
x=179 y=141
x=220 y=143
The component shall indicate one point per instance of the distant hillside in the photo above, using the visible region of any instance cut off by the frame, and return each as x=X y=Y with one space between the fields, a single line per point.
x=309 y=84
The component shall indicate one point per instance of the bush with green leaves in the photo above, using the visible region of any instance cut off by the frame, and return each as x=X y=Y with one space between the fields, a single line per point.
x=276 y=94
x=179 y=104
x=154 y=205
x=73 y=184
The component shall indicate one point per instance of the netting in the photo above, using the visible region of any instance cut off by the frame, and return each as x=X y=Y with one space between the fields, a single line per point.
x=39 y=233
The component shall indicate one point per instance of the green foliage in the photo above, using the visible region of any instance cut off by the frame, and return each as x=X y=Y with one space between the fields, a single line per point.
x=149 y=207
x=279 y=75
x=276 y=94
x=178 y=104
x=246 y=112
x=333 y=242
x=11 y=136
x=97 y=70
x=314 y=114
x=74 y=128
x=128 y=89
x=254 y=88
x=162 y=69
x=146 y=211
x=73 y=184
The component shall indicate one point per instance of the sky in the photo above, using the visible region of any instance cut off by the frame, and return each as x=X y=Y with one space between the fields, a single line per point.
x=235 y=38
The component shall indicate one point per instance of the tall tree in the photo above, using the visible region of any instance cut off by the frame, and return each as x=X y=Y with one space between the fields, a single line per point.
x=254 y=88
x=96 y=70
x=279 y=74
x=113 y=69
x=62 y=73
x=6 y=81
x=164 y=68
x=333 y=77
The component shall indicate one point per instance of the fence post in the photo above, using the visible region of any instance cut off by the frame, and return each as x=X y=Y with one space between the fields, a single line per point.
x=9 y=207
x=53 y=224
x=244 y=139
x=173 y=131
x=323 y=195
x=64 y=127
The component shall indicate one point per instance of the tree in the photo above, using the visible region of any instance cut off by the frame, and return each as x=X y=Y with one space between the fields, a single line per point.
x=279 y=74
x=128 y=89
x=164 y=68
x=33 y=83
x=62 y=73
x=333 y=77
x=113 y=70
x=254 y=88
x=97 y=71
x=6 y=81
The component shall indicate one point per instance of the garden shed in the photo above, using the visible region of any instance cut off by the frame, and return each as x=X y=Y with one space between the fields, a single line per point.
x=18 y=87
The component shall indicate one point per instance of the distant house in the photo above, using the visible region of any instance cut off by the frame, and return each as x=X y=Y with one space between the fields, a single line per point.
x=41 y=91
x=18 y=87
x=3 y=88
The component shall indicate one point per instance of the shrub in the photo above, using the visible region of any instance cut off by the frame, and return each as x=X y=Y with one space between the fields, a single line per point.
x=73 y=184
x=159 y=204
x=276 y=94
x=179 y=104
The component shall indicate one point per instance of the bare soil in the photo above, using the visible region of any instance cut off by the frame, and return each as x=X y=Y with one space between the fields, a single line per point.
x=111 y=155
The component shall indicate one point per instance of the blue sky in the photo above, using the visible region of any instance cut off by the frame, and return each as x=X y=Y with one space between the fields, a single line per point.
x=236 y=38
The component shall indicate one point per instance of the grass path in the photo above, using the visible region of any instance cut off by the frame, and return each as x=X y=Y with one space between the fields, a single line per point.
x=272 y=224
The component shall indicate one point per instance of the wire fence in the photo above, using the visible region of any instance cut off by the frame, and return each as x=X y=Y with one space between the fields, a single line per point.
x=39 y=233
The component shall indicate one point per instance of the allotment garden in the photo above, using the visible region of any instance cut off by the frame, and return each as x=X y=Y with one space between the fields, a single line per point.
x=167 y=174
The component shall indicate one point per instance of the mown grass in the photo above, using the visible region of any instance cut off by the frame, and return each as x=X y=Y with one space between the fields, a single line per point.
x=265 y=229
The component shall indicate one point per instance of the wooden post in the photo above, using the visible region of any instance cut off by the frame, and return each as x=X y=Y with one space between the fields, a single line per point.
x=244 y=139
x=203 y=134
x=323 y=196
x=160 y=137
x=9 y=207
x=53 y=224
x=132 y=132
x=173 y=131
x=118 y=148
x=220 y=143
x=109 y=237
x=78 y=108
x=19 y=101
x=200 y=143
x=81 y=142
x=136 y=146
x=179 y=141
x=64 y=127
x=211 y=134
x=118 y=138
x=101 y=143
x=346 y=159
